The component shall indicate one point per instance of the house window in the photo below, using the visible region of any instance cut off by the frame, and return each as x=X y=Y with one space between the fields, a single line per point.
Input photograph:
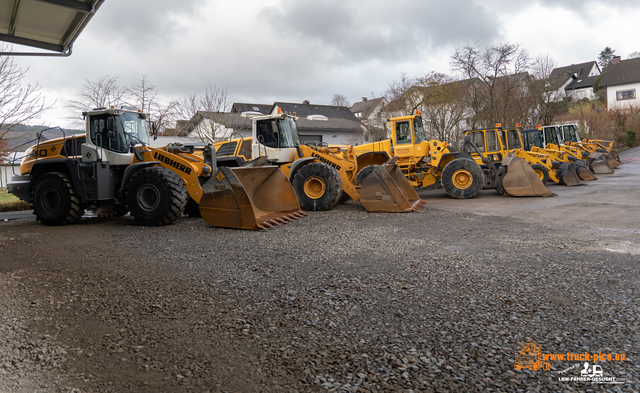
x=626 y=95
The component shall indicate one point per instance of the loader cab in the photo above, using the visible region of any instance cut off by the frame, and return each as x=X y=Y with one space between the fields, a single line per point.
x=111 y=133
x=408 y=134
x=550 y=135
x=276 y=137
x=569 y=133
x=531 y=138
x=488 y=142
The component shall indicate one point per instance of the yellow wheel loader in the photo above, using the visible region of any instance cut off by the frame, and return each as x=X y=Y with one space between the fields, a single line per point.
x=321 y=176
x=507 y=167
x=568 y=135
x=112 y=169
x=549 y=139
x=425 y=163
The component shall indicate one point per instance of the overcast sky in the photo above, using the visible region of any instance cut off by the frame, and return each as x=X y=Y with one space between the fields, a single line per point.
x=293 y=50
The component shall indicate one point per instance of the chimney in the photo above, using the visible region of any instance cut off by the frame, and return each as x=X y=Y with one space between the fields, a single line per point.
x=364 y=99
x=615 y=60
x=305 y=102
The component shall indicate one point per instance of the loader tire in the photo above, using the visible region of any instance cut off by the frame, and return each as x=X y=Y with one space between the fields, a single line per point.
x=542 y=172
x=462 y=178
x=318 y=186
x=156 y=196
x=364 y=173
x=192 y=209
x=55 y=202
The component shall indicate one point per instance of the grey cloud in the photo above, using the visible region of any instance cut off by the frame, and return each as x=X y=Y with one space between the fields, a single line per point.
x=359 y=31
x=142 y=23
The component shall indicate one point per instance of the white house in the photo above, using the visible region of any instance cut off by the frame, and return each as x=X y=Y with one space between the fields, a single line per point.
x=622 y=80
x=575 y=81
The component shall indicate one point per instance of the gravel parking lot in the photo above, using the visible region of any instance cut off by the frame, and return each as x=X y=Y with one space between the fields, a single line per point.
x=340 y=301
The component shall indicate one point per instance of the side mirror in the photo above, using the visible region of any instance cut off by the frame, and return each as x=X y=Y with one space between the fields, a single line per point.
x=419 y=121
x=154 y=130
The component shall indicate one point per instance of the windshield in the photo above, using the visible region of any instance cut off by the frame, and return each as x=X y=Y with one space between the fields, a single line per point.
x=134 y=126
x=532 y=138
x=288 y=132
x=419 y=131
x=570 y=134
x=550 y=135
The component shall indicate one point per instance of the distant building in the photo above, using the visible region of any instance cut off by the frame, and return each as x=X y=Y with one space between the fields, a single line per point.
x=575 y=81
x=622 y=80
x=370 y=113
x=335 y=125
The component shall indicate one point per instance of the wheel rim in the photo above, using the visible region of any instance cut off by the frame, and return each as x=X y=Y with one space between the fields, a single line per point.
x=50 y=200
x=314 y=187
x=539 y=173
x=462 y=179
x=148 y=197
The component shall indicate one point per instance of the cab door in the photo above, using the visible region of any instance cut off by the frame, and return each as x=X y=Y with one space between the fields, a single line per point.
x=403 y=138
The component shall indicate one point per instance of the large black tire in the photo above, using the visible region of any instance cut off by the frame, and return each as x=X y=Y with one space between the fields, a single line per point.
x=55 y=202
x=364 y=173
x=192 y=209
x=462 y=178
x=156 y=196
x=542 y=172
x=318 y=186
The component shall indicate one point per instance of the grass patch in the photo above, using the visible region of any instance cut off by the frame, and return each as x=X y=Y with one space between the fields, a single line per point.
x=9 y=202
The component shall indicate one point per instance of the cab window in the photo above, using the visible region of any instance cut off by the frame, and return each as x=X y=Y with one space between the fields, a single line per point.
x=492 y=141
x=403 y=132
x=513 y=142
x=477 y=138
x=266 y=133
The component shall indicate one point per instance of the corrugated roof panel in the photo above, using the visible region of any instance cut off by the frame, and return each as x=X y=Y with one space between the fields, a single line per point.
x=44 y=22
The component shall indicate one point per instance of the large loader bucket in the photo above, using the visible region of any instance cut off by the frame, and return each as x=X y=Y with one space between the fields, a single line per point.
x=521 y=179
x=598 y=164
x=568 y=174
x=249 y=197
x=387 y=190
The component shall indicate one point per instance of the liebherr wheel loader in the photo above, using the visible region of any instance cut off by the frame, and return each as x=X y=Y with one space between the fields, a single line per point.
x=322 y=176
x=113 y=169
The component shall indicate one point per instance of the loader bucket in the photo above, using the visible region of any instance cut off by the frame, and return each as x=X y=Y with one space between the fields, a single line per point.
x=249 y=197
x=613 y=163
x=521 y=179
x=567 y=172
x=582 y=169
x=387 y=190
x=598 y=164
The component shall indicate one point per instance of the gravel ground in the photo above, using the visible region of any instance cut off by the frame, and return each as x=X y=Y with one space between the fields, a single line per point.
x=340 y=301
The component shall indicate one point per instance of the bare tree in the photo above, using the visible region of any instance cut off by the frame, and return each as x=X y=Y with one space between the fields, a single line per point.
x=443 y=105
x=20 y=103
x=205 y=114
x=634 y=55
x=99 y=93
x=340 y=100
x=402 y=96
x=545 y=92
x=144 y=95
x=499 y=74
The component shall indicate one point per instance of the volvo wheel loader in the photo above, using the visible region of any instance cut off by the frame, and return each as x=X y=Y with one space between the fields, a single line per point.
x=112 y=168
x=568 y=135
x=507 y=167
x=425 y=163
x=551 y=138
x=322 y=176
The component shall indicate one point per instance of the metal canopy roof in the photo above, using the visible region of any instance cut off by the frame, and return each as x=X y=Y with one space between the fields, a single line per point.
x=53 y=25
